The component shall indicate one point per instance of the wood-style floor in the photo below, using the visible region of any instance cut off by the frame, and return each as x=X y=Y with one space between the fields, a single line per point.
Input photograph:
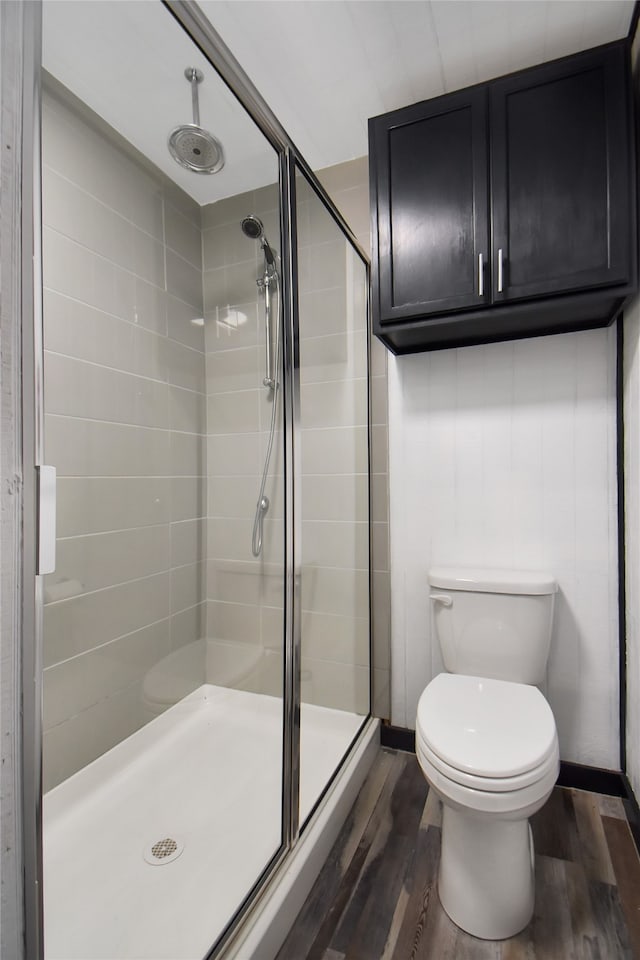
x=376 y=897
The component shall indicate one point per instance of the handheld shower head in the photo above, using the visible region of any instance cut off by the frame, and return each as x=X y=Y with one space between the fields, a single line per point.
x=253 y=228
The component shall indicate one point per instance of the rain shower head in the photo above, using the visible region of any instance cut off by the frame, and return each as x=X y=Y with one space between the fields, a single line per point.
x=253 y=228
x=196 y=149
x=189 y=144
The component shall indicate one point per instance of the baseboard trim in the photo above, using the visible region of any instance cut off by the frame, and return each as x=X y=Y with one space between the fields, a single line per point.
x=632 y=810
x=397 y=738
x=595 y=779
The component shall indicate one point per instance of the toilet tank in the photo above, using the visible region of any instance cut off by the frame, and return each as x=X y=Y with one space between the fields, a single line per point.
x=493 y=623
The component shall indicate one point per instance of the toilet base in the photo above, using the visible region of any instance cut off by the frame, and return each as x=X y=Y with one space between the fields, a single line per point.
x=486 y=880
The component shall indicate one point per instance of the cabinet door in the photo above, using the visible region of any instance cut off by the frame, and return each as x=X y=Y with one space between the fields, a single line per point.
x=429 y=193
x=559 y=177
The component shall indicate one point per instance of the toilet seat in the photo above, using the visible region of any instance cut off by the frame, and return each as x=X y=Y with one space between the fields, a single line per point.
x=489 y=784
x=494 y=730
x=518 y=803
x=487 y=745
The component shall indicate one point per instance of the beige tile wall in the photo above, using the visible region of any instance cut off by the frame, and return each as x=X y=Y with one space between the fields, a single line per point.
x=125 y=418
x=333 y=419
x=348 y=186
x=243 y=606
x=244 y=594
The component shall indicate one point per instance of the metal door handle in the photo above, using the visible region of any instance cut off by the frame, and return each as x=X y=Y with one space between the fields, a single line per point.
x=46 y=520
x=480 y=275
x=500 y=271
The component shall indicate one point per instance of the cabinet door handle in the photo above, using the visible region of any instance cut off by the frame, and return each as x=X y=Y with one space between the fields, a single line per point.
x=480 y=275
x=500 y=271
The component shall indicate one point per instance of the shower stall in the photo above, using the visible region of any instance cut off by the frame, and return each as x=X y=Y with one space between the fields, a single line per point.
x=199 y=685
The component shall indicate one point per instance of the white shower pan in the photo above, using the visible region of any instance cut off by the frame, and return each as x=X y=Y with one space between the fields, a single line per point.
x=150 y=850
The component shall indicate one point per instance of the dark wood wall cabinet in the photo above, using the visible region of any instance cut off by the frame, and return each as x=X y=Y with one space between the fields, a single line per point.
x=508 y=209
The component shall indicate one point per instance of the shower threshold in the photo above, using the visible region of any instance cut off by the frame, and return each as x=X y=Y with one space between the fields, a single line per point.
x=150 y=849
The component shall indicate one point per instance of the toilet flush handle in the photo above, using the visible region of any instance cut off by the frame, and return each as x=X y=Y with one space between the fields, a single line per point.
x=441 y=598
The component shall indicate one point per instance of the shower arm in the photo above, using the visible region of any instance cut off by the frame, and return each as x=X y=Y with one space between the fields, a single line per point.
x=194 y=77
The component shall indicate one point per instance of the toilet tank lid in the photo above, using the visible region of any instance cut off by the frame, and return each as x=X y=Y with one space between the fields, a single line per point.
x=492 y=581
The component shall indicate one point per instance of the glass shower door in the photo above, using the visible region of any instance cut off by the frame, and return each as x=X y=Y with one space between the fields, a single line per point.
x=164 y=620
x=334 y=417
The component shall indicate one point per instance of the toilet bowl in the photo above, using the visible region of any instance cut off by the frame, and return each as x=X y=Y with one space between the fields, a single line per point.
x=486 y=741
x=489 y=749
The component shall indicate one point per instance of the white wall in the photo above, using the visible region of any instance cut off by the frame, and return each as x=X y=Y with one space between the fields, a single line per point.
x=505 y=455
x=631 y=394
x=631 y=398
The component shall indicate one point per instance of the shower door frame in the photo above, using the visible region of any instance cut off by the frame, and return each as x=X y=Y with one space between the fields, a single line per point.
x=22 y=453
x=25 y=885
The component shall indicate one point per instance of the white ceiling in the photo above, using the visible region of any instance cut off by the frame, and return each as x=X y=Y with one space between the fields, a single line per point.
x=126 y=59
x=323 y=66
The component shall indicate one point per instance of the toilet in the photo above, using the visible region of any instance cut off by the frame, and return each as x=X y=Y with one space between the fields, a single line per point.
x=486 y=741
